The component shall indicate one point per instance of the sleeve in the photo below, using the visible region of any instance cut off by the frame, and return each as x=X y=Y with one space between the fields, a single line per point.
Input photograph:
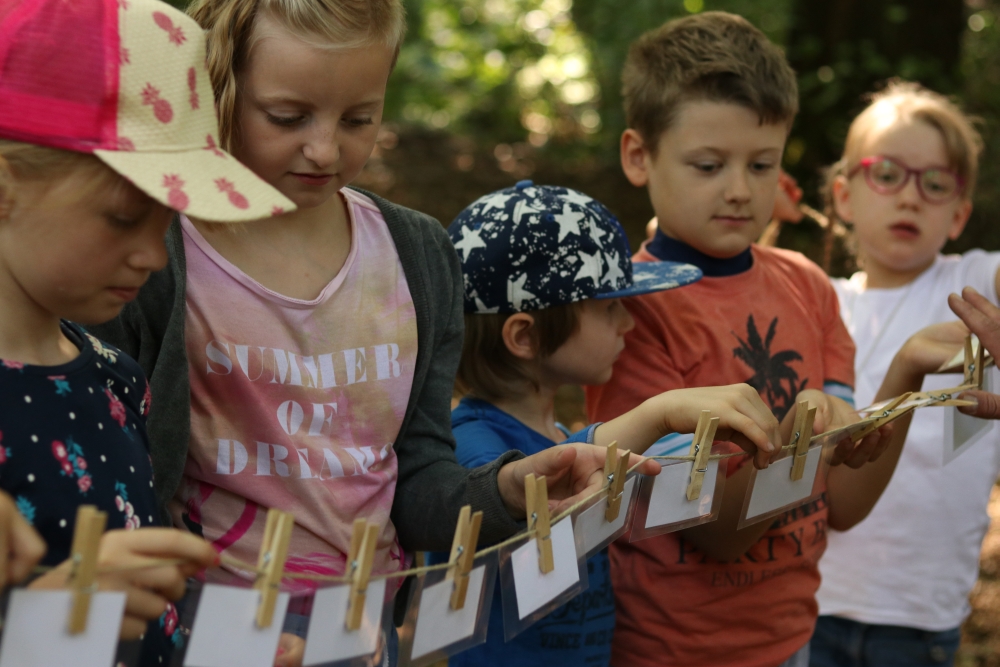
x=643 y=369
x=477 y=445
x=583 y=436
x=838 y=346
x=432 y=487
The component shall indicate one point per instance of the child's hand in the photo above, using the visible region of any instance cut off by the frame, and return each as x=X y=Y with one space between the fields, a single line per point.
x=23 y=547
x=572 y=472
x=147 y=589
x=833 y=413
x=925 y=351
x=744 y=419
x=291 y=650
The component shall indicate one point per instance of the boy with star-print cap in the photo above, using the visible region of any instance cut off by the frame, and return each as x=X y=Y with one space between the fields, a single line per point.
x=545 y=269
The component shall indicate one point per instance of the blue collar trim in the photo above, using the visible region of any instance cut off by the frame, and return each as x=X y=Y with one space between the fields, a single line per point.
x=667 y=249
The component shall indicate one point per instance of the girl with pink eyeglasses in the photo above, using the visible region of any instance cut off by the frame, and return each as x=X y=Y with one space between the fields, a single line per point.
x=895 y=587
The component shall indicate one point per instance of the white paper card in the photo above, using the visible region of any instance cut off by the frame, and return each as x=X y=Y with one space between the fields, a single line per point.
x=438 y=625
x=225 y=632
x=535 y=589
x=962 y=431
x=329 y=640
x=774 y=488
x=591 y=525
x=35 y=632
x=668 y=501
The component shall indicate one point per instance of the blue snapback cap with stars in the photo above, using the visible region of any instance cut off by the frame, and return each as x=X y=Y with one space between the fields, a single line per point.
x=531 y=247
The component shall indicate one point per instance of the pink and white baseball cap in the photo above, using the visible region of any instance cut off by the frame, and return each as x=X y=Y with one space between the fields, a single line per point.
x=126 y=81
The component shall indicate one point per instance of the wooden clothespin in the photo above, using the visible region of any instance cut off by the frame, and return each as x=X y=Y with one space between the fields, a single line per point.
x=536 y=495
x=271 y=563
x=90 y=523
x=974 y=363
x=888 y=414
x=615 y=470
x=463 y=554
x=801 y=435
x=360 y=560
x=701 y=449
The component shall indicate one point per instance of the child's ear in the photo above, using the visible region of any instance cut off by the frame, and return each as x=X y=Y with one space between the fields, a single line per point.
x=519 y=336
x=841 y=198
x=633 y=156
x=959 y=220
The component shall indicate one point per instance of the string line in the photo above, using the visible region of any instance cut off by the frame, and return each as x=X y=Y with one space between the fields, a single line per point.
x=937 y=396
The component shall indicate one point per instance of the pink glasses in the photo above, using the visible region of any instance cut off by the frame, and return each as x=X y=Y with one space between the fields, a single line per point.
x=886 y=176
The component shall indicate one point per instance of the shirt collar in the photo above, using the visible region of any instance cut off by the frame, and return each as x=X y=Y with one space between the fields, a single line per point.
x=667 y=249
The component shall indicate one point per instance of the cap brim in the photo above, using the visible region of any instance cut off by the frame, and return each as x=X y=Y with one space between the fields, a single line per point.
x=649 y=277
x=207 y=184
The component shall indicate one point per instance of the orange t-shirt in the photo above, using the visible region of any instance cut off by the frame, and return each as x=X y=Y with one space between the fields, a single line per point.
x=777 y=327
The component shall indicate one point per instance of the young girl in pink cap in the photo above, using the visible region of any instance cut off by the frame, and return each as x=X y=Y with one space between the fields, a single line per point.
x=306 y=362
x=105 y=118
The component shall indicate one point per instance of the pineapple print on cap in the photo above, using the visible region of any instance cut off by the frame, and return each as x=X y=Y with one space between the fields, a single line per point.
x=235 y=198
x=139 y=99
x=176 y=34
x=175 y=195
x=161 y=108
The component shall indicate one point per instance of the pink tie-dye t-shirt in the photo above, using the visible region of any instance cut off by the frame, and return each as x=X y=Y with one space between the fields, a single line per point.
x=295 y=404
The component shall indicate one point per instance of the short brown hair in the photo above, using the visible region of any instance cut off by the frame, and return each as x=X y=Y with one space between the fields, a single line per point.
x=489 y=371
x=714 y=56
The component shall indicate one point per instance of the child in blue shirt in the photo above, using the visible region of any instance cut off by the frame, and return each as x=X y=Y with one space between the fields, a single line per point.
x=545 y=269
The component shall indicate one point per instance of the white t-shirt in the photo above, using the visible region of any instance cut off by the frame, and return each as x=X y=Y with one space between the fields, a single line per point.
x=914 y=559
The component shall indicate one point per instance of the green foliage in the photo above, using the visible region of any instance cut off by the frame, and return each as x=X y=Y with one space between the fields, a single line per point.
x=495 y=70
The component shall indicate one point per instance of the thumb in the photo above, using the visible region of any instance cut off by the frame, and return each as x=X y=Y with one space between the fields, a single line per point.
x=988 y=405
x=550 y=462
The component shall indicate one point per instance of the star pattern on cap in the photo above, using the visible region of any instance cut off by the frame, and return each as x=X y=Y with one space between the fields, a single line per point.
x=569 y=222
x=471 y=240
x=516 y=293
x=590 y=267
x=532 y=247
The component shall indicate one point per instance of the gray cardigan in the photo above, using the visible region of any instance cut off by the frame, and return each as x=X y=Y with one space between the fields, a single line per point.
x=432 y=486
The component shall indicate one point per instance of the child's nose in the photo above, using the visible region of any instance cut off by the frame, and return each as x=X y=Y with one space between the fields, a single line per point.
x=910 y=194
x=323 y=148
x=738 y=188
x=151 y=255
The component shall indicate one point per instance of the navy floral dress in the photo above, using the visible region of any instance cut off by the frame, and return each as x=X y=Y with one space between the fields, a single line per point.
x=74 y=435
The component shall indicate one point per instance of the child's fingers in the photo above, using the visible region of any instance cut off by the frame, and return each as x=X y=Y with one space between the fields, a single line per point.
x=987 y=404
x=648 y=467
x=291 y=650
x=26 y=548
x=167 y=581
x=132 y=628
x=885 y=436
x=143 y=604
x=167 y=543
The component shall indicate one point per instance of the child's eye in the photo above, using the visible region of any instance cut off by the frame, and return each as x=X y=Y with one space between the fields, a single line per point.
x=762 y=167
x=359 y=122
x=120 y=221
x=284 y=121
x=707 y=167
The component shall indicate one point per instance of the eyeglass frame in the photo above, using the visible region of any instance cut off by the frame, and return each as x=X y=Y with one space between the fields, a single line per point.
x=867 y=162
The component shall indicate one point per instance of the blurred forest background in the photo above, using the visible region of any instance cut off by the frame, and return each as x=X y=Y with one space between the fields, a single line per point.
x=488 y=92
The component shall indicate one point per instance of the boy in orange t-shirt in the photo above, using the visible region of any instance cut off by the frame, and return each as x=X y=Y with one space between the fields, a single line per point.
x=709 y=103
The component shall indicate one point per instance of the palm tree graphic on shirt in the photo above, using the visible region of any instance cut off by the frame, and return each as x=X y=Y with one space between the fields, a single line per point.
x=771 y=373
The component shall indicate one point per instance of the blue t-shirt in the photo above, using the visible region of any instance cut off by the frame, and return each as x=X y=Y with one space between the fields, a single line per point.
x=73 y=435
x=577 y=633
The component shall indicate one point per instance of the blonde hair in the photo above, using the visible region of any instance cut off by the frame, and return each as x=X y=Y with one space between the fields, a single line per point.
x=230 y=27
x=31 y=162
x=905 y=101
